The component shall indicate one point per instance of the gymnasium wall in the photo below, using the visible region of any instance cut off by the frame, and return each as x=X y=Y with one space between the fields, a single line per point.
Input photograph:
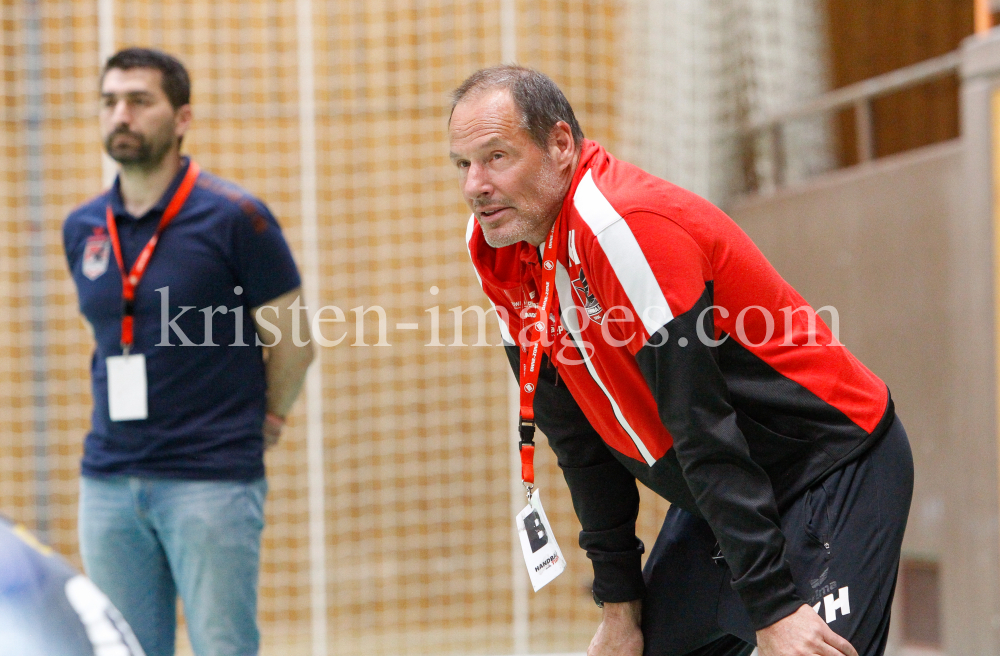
x=902 y=248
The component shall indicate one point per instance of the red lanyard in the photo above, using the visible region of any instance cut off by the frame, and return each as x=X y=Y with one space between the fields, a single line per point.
x=131 y=281
x=535 y=319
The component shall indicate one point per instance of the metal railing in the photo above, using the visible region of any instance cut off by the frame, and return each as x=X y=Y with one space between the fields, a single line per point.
x=859 y=96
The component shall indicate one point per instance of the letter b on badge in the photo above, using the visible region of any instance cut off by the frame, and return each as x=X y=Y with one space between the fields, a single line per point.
x=542 y=555
x=537 y=535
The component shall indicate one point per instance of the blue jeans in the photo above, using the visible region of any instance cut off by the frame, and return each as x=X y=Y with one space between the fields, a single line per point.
x=146 y=540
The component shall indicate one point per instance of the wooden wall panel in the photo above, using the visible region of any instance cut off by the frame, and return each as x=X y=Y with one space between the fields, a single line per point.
x=871 y=37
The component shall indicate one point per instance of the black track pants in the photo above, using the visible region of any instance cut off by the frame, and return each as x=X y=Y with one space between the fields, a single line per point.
x=843 y=538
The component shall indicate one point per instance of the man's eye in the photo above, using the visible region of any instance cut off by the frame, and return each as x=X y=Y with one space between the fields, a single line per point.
x=497 y=155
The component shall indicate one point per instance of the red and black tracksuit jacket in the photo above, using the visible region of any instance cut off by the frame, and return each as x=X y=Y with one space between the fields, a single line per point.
x=682 y=359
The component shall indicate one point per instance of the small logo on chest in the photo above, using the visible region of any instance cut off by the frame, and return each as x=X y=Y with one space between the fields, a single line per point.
x=590 y=302
x=96 y=254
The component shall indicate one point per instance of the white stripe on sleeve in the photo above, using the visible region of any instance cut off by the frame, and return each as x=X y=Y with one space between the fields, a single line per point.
x=624 y=254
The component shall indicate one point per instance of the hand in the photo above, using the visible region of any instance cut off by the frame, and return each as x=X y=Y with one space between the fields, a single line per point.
x=619 y=633
x=273 y=425
x=803 y=633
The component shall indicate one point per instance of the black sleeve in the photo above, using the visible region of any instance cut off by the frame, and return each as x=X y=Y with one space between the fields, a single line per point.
x=732 y=492
x=604 y=493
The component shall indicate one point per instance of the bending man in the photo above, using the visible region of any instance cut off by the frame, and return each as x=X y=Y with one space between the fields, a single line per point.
x=676 y=355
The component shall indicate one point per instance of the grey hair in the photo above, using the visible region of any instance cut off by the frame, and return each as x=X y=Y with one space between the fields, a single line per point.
x=541 y=103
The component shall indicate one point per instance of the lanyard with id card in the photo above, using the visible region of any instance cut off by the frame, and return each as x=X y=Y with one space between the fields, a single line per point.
x=542 y=555
x=127 y=387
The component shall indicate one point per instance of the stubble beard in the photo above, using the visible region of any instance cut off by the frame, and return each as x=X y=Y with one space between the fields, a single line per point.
x=144 y=155
x=532 y=222
x=515 y=230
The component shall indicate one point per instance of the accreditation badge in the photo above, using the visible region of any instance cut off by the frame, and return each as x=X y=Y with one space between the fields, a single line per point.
x=542 y=555
x=127 y=387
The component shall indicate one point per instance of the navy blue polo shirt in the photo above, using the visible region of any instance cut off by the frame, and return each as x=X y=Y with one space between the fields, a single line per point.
x=222 y=255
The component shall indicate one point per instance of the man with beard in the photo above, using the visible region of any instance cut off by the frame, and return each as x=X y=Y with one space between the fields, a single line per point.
x=186 y=282
x=654 y=342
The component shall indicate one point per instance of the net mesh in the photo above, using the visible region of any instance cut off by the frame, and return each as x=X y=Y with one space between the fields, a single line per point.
x=698 y=71
x=416 y=438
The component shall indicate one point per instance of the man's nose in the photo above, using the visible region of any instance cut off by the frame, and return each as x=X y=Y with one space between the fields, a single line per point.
x=121 y=114
x=477 y=182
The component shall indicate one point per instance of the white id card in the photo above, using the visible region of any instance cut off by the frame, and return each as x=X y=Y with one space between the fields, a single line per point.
x=127 y=387
x=541 y=552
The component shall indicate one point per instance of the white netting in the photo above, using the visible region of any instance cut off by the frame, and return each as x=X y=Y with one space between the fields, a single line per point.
x=417 y=531
x=698 y=71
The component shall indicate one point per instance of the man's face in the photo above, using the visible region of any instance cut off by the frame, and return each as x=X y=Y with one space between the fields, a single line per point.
x=514 y=188
x=139 y=126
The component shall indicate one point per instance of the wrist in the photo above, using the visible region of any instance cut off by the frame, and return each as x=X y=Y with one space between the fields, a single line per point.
x=272 y=428
x=625 y=611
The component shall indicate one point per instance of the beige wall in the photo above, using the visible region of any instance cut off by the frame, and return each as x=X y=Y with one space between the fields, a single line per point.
x=892 y=246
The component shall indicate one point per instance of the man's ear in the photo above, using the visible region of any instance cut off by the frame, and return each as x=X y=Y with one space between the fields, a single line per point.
x=562 y=147
x=182 y=120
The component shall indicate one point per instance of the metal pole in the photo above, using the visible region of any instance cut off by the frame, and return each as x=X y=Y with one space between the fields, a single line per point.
x=34 y=167
x=983 y=17
x=508 y=31
x=865 y=128
x=106 y=48
x=777 y=155
x=314 y=380
x=520 y=620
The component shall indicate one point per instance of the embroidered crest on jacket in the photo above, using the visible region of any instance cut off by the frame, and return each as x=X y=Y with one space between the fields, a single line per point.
x=590 y=302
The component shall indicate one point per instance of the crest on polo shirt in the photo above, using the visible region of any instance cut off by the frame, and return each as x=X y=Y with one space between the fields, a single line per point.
x=590 y=302
x=96 y=254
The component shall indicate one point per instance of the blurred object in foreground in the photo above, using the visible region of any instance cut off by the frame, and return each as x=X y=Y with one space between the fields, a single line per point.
x=47 y=608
